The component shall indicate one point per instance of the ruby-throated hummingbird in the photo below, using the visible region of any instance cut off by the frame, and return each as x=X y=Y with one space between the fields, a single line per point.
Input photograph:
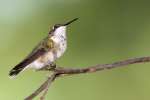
x=47 y=51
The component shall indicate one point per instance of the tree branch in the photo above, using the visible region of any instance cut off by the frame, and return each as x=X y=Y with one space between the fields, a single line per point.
x=43 y=87
x=61 y=71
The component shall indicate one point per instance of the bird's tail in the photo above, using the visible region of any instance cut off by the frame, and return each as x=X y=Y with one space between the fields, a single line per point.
x=15 y=71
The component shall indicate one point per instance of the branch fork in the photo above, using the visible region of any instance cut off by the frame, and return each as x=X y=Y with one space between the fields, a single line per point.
x=61 y=71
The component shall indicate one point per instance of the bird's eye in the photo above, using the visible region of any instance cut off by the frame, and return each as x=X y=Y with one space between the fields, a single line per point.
x=56 y=26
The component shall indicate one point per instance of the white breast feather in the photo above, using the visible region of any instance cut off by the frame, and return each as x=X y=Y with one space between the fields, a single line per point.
x=60 y=39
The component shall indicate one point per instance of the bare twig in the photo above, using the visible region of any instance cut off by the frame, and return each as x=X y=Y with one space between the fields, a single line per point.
x=50 y=80
x=60 y=71
x=44 y=86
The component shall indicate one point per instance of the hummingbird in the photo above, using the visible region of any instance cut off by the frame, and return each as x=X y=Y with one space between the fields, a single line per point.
x=44 y=55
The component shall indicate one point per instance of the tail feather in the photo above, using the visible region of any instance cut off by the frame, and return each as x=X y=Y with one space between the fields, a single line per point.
x=15 y=71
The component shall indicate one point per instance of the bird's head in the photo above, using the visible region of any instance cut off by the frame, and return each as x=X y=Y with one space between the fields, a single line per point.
x=60 y=28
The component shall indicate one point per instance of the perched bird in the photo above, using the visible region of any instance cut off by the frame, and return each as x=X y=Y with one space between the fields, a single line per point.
x=46 y=52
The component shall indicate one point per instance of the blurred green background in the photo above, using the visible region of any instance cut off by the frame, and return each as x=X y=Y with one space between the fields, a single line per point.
x=108 y=31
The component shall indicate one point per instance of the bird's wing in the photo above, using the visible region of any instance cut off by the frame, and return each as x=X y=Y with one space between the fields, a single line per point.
x=19 y=67
x=38 y=51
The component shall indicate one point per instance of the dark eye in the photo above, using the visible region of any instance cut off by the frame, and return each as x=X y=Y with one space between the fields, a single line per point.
x=56 y=26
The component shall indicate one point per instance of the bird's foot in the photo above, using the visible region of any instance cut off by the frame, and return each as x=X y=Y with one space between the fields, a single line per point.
x=48 y=67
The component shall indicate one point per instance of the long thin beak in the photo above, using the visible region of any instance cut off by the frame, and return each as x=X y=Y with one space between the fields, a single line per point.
x=71 y=21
